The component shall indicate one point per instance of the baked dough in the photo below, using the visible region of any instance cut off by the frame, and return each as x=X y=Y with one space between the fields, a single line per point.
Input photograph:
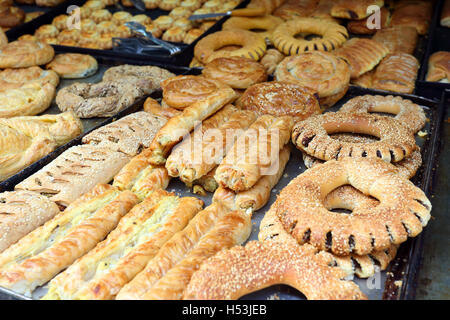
x=398 y=39
x=21 y=213
x=445 y=16
x=271 y=60
x=237 y=72
x=16 y=78
x=161 y=110
x=22 y=54
x=51 y=248
x=323 y=72
x=174 y=34
x=361 y=26
x=354 y=9
x=261 y=25
x=413 y=13
x=11 y=17
x=294 y=9
x=101 y=273
x=75 y=172
x=73 y=65
x=439 y=67
x=3 y=38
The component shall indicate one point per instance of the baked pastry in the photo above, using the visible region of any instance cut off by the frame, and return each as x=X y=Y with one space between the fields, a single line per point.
x=22 y=54
x=151 y=4
x=280 y=99
x=207 y=183
x=206 y=25
x=28 y=100
x=332 y=35
x=174 y=34
x=120 y=17
x=323 y=10
x=271 y=60
x=181 y=91
x=402 y=212
x=51 y=248
x=67 y=36
x=152 y=106
x=11 y=17
x=163 y=22
x=141 y=18
x=413 y=13
x=181 y=12
x=294 y=9
x=247 y=162
x=201 y=152
x=101 y=15
x=238 y=271
x=362 y=55
x=29 y=16
x=439 y=67
x=396 y=72
x=408 y=113
x=237 y=72
x=75 y=172
x=190 y=5
x=154 y=30
x=183 y=23
x=46 y=31
x=94 y=5
x=101 y=273
x=398 y=39
x=169 y=4
x=177 y=127
x=90 y=40
x=265 y=25
x=60 y=22
x=73 y=65
x=167 y=275
x=88 y=25
x=445 y=16
x=362 y=26
x=323 y=72
x=3 y=39
x=253 y=45
x=129 y=135
x=16 y=78
x=354 y=9
x=48 y=3
x=192 y=35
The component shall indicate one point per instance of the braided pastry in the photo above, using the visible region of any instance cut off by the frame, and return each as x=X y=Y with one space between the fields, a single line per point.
x=266 y=24
x=271 y=60
x=333 y=35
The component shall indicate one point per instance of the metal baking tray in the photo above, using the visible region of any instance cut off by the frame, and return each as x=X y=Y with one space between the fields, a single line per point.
x=402 y=270
x=88 y=124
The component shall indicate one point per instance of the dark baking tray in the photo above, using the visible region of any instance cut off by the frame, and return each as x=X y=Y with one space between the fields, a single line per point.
x=405 y=267
x=88 y=124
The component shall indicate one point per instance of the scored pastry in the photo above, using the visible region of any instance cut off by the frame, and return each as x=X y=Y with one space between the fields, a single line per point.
x=398 y=39
x=354 y=9
x=23 y=53
x=261 y=25
x=49 y=249
x=323 y=72
x=73 y=65
x=100 y=274
x=16 y=78
x=439 y=67
x=174 y=34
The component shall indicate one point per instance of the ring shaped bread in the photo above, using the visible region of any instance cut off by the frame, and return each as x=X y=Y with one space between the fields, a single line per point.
x=280 y=99
x=403 y=209
x=238 y=271
x=333 y=35
x=253 y=46
x=23 y=54
x=405 y=111
x=237 y=72
x=321 y=71
x=261 y=25
x=73 y=65
x=16 y=78
x=313 y=137
x=182 y=91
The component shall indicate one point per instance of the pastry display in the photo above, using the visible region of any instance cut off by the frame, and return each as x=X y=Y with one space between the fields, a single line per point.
x=398 y=39
x=439 y=67
x=73 y=65
x=323 y=72
x=413 y=13
x=354 y=9
x=22 y=54
x=11 y=16
x=261 y=25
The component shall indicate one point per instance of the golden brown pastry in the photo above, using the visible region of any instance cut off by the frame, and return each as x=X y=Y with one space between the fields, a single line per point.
x=271 y=60
x=16 y=78
x=46 y=31
x=3 y=39
x=154 y=107
x=60 y=22
x=192 y=35
x=169 y=4
x=414 y=13
x=163 y=22
x=261 y=25
x=94 y=5
x=120 y=17
x=73 y=65
x=11 y=17
x=445 y=16
x=293 y=9
x=67 y=36
x=362 y=26
x=180 y=12
x=398 y=39
x=183 y=23
x=22 y=54
x=29 y=16
x=151 y=4
x=354 y=9
x=101 y=15
x=48 y=3
x=51 y=248
x=323 y=10
x=174 y=34
x=439 y=67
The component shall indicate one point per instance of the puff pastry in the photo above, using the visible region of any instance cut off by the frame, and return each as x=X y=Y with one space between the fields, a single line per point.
x=129 y=135
x=398 y=39
x=100 y=274
x=271 y=60
x=49 y=249
x=293 y=9
x=73 y=65
x=20 y=213
x=161 y=110
x=23 y=53
x=16 y=78
x=361 y=26
x=439 y=67
x=75 y=172
x=254 y=153
x=261 y=25
x=354 y=9
x=413 y=13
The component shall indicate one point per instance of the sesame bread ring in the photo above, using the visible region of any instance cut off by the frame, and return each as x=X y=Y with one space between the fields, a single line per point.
x=73 y=65
x=253 y=45
x=402 y=212
x=238 y=271
x=405 y=111
x=333 y=35
x=261 y=25
x=313 y=137
x=323 y=72
x=237 y=72
x=23 y=54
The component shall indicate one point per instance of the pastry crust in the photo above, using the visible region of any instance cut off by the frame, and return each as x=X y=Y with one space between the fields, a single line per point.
x=312 y=136
x=49 y=249
x=60 y=22
x=362 y=55
x=154 y=107
x=100 y=274
x=46 y=31
x=361 y=26
x=73 y=65
x=16 y=78
x=128 y=135
x=412 y=13
x=174 y=34
x=294 y=9
x=22 y=54
x=253 y=45
x=271 y=60
x=237 y=72
x=163 y=22
x=439 y=66
x=11 y=17
x=396 y=72
x=333 y=36
x=238 y=271
x=247 y=162
x=74 y=172
x=21 y=213
x=354 y=9
x=3 y=39
x=323 y=72
x=398 y=39
x=280 y=99
x=264 y=25
x=101 y=15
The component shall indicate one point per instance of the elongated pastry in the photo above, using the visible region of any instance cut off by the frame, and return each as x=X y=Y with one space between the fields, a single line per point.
x=20 y=213
x=254 y=153
x=40 y=255
x=439 y=67
x=397 y=72
x=161 y=110
x=129 y=135
x=177 y=127
x=74 y=172
x=354 y=9
x=230 y=230
x=445 y=16
x=207 y=183
x=413 y=13
x=100 y=274
x=205 y=149
x=362 y=26
x=362 y=55
x=398 y=39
